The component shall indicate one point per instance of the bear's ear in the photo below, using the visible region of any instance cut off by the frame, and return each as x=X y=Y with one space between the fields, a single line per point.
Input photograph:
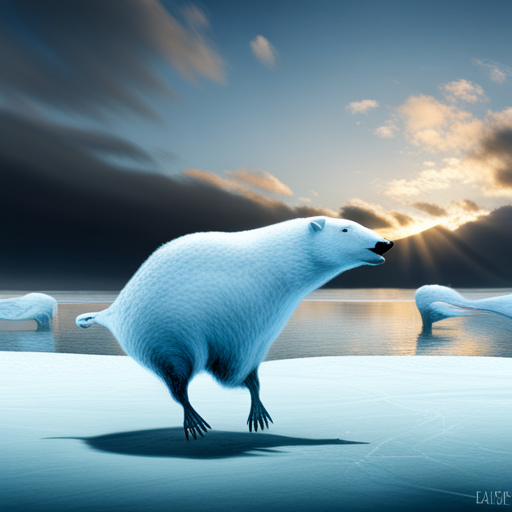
x=317 y=225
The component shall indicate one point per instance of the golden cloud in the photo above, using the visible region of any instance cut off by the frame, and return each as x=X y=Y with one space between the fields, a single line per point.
x=264 y=51
x=469 y=206
x=464 y=90
x=387 y=131
x=215 y=180
x=483 y=146
x=432 y=209
x=430 y=179
x=261 y=179
x=436 y=127
x=235 y=186
x=362 y=107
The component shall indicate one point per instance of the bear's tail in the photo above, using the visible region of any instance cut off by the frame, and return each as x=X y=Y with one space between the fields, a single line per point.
x=86 y=320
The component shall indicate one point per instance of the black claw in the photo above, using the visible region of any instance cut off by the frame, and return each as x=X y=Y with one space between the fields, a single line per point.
x=267 y=415
x=258 y=420
x=194 y=424
x=202 y=424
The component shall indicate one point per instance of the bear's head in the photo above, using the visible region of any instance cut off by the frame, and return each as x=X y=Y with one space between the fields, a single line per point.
x=344 y=244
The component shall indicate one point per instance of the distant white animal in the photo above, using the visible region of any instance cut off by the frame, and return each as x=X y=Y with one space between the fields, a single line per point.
x=436 y=303
x=33 y=306
x=217 y=301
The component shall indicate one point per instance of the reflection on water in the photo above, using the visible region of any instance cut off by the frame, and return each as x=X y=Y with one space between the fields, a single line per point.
x=478 y=335
x=27 y=341
x=348 y=328
x=395 y=294
x=387 y=328
x=66 y=337
x=373 y=322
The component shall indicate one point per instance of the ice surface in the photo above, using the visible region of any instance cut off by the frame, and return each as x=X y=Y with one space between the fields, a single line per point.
x=81 y=433
x=33 y=306
x=439 y=302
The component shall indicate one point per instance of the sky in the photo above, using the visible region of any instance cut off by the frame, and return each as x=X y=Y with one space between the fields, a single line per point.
x=397 y=115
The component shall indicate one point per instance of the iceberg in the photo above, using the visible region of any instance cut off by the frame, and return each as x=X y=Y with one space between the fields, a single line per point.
x=436 y=303
x=33 y=306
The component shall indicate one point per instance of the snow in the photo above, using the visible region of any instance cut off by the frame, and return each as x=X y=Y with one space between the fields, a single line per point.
x=436 y=303
x=82 y=433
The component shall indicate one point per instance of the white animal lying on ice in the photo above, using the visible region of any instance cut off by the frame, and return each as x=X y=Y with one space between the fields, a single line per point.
x=216 y=302
x=33 y=306
x=439 y=302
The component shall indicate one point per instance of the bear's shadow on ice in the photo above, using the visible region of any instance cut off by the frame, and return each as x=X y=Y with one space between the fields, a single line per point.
x=171 y=442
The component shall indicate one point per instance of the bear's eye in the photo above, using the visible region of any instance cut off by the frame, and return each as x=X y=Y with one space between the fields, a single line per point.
x=344 y=230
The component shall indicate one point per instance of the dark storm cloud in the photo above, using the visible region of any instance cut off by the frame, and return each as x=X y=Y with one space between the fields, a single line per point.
x=95 y=55
x=402 y=218
x=503 y=177
x=72 y=219
x=495 y=151
x=61 y=151
x=364 y=216
x=431 y=209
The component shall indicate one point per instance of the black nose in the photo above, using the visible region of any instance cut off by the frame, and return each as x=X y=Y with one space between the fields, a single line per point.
x=382 y=247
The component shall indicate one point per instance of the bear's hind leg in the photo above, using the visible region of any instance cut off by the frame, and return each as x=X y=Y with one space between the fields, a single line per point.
x=178 y=386
x=258 y=414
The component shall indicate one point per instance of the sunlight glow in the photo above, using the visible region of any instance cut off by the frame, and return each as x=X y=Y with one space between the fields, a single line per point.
x=420 y=224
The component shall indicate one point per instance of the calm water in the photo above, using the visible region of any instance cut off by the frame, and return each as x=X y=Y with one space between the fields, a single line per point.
x=327 y=323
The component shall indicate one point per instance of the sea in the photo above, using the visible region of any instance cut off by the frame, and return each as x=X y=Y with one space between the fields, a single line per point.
x=328 y=322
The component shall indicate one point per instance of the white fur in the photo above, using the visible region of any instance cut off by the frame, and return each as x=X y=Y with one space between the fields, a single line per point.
x=436 y=303
x=229 y=294
x=33 y=306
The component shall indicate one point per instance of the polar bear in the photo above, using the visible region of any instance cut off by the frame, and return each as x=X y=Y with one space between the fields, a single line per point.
x=33 y=306
x=436 y=303
x=216 y=301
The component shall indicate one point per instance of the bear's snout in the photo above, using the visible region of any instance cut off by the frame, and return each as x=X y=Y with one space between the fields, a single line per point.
x=382 y=247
